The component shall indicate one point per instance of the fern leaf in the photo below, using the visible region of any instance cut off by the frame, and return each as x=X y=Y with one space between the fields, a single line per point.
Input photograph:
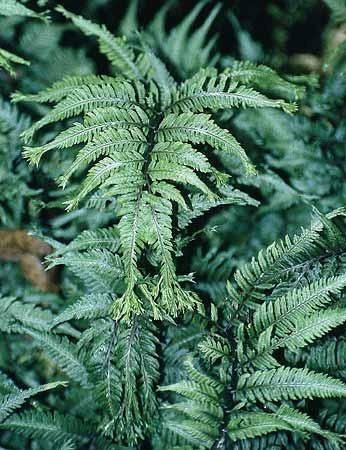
x=161 y=76
x=7 y=59
x=87 y=240
x=201 y=204
x=13 y=401
x=88 y=307
x=287 y=384
x=61 y=351
x=188 y=50
x=302 y=422
x=99 y=269
x=297 y=304
x=199 y=128
x=178 y=36
x=85 y=99
x=62 y=88
x=14 y=8
x=265 y=78
x=214 y=348
x=306 y=331
x=328 y=356
x=208 y=90
x=117 y=51
x=47 y=426
x=109 y=143
x=248 y=425
x=192 y=432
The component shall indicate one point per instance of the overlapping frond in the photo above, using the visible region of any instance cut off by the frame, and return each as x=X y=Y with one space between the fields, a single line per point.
x=283 y=258
x=210 y=90
x=116 y=49
x=187 y=45
x=249 y=354
x=249 y=425
x=47 y=426
x=14 y=400
x=11 y=8
x=287 y=383
x=15 y=8
x=139 y=151
x=203 y=395
x=266 y=79
x=126 y=373
x=63 y=353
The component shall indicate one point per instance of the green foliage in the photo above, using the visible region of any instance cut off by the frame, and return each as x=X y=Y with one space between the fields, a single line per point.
x=137 y=182
x=12 y=8
x=266 y=312
x=137 y=138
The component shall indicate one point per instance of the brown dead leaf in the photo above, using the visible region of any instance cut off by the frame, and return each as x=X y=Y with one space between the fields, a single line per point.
x=28 y=251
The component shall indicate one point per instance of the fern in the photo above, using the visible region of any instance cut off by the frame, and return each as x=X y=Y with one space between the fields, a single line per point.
x=287 y=384
x=61 y=351
x=12 y=401
x=15 y=8
x=141 y=187
x=251 y=371
x=138 y=150
x=185 y=48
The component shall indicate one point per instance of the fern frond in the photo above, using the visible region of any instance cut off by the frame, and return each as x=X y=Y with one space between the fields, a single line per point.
x=7 y=59
x=62 y=352
x=297 y=304
x=86 y=99
x=214 y=348
x=191 y=431
x=87 y=240
x=61 y=89
x=136 y=365
x=201 y=204
x=248 y=425
x=130 y=143
x=328 y=356
x=117 y=50
x=311 y=328
x=161 y=76
x=303 y=422
x=199 y=128
x=137 y=151
x=16 y=314
x=209 y=90
x=87 y=307
x=287 y=383
x=37 y=424
x=202 y=389
x=14 y=8
x=100 y=270
x=264 y=78
x=279 y=260
x=11 y=402
x=188 y=50
x=46 y=426
x=203 y=407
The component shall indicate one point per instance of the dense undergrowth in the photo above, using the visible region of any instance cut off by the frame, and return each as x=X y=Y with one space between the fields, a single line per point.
x=172 y=225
